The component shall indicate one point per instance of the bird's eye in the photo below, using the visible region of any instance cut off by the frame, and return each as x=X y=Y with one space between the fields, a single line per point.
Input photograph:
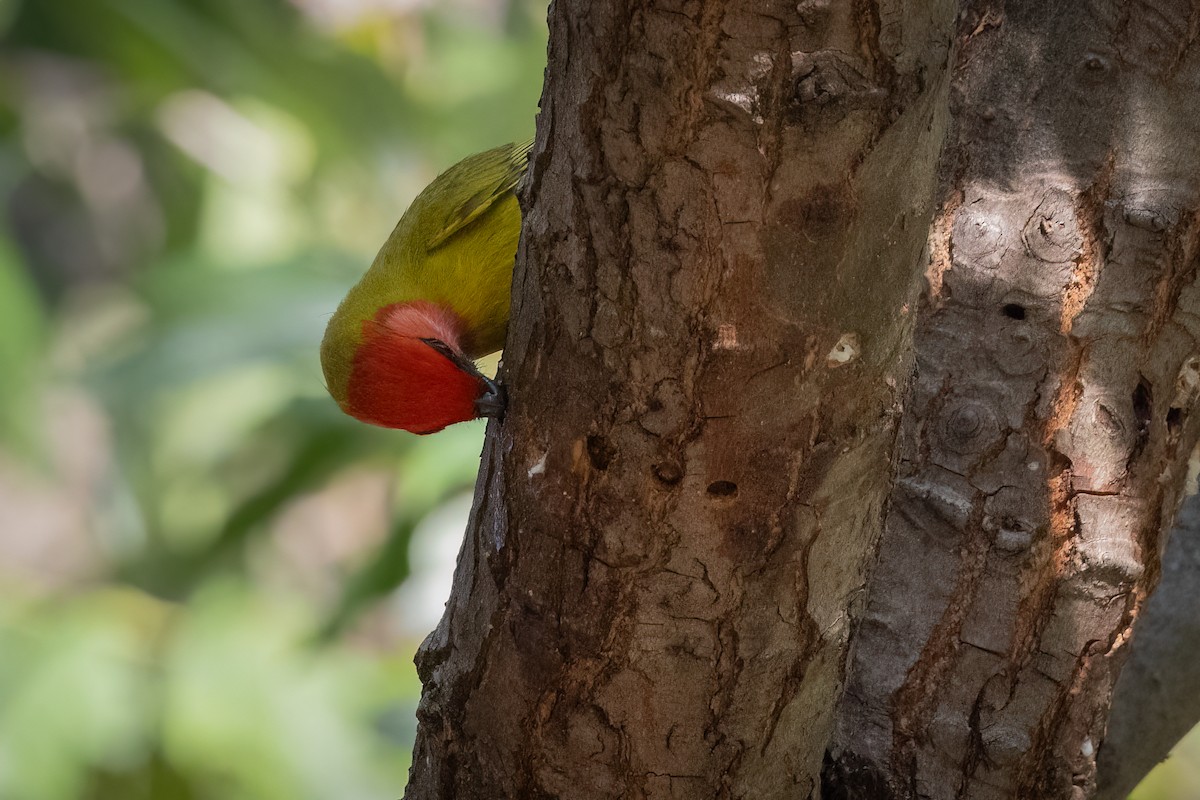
x=456 y=358
x=443 y=348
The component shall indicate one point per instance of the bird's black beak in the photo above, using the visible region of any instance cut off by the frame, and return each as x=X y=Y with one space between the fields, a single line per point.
x=492 y=402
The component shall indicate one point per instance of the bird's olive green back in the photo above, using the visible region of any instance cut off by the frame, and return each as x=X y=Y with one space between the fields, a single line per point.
x=454 y=246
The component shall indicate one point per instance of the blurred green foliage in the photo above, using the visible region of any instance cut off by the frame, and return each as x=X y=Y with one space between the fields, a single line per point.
x=1177 y=778
x=199 y=555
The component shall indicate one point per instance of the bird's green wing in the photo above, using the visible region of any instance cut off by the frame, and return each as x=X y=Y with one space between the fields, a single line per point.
x=495 y=173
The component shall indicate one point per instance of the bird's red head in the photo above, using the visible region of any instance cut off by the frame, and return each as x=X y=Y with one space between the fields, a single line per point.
x=409 y=372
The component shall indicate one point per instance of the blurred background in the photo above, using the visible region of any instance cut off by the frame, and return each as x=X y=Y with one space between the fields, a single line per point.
x=211 y=582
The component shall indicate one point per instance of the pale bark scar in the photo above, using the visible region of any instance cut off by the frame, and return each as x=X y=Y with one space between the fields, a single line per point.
x=941 y=246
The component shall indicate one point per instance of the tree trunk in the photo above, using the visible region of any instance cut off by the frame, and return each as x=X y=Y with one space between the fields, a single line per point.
x=1045 y=440
x=712 y=354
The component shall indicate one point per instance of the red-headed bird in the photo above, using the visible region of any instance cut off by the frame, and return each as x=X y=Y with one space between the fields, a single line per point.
x=400 y=349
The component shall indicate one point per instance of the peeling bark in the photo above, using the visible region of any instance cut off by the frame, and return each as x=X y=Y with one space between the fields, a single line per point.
x=811 y=293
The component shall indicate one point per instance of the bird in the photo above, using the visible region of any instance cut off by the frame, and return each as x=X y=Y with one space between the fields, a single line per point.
x=399 y=351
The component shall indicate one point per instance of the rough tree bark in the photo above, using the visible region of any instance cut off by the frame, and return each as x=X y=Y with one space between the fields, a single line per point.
x=1046 y=436
x=721 y=424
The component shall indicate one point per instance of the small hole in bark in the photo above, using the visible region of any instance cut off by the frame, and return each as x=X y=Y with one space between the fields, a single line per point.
x=1142 y=403
x=722 y=488
x=1014 y=311
x=1143 y=412
x=1174 y=419
x=600 y=452
x=668 y=472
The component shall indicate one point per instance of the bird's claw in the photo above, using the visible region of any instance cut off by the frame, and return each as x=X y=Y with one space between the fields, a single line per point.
x=493 y=401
